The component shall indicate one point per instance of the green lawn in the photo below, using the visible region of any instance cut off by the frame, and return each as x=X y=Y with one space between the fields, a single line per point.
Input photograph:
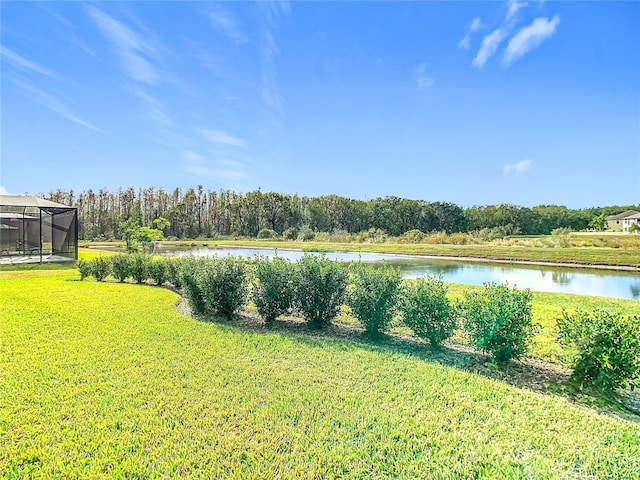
x=106 y=380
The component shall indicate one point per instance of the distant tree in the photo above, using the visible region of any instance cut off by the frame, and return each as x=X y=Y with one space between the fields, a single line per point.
x=134 y=234
x=599 y=223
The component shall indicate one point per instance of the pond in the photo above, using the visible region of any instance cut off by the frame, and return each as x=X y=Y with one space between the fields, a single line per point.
x=583 y=281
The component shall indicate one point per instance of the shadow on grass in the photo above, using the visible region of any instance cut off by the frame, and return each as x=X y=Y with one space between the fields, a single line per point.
x=530 y=374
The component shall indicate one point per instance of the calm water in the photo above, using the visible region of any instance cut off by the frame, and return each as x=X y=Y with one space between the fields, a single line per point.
x=603 y=283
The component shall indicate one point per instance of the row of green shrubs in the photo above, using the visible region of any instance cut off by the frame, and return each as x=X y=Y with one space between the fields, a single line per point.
x=497 y=319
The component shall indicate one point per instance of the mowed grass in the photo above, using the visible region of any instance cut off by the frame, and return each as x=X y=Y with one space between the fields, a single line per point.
x=106 y=380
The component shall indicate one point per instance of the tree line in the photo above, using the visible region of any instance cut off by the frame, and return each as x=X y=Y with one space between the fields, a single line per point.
x=199 y=212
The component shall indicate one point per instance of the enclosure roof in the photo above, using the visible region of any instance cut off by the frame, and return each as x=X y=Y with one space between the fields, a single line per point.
x=28 y=201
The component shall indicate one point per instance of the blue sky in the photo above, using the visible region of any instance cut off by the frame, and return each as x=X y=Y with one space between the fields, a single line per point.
x=474 y=103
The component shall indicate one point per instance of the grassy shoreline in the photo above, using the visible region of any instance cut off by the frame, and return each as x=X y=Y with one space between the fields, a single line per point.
x=567 y=256
x=624 y=258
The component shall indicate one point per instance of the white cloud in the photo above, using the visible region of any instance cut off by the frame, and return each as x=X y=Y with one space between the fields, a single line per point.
x=223 y=169
x=529 y=38
x=423 y=79
x=489 y=46
x=53 y=103
x=476 y=25
x=514 y=6
x=26 y=65
x=155 y=110
x=129 y=46
x=218 y=136
x=225 y=23
x=517 y=168
x=273 y=9
x=271 y=96
x=3 y=191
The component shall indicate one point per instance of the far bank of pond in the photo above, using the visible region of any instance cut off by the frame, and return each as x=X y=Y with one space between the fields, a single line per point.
x=544 y=278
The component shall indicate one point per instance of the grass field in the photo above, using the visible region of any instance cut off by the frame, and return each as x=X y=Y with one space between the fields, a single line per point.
x=106 y=380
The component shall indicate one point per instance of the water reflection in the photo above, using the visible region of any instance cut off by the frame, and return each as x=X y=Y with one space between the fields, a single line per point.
x=604 y=283
x=563 y=278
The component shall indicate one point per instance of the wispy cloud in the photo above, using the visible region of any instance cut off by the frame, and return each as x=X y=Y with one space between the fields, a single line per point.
x=53 y=103
x=273 y=100
x=529 y=38
x=155 y=109
x=135 y=53
x=489 y=46
x=221 y=169
x=224 y=22
x=517 y=168
x=3 y=191
x=21 y=63
x=522 y=42
x=270 y=94
x=220 y=137
x=272 y=10
x=513 y=8
x=423 y=79
x=476 y=25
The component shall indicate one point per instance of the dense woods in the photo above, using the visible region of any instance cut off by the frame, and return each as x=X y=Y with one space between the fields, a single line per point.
x=199 y=212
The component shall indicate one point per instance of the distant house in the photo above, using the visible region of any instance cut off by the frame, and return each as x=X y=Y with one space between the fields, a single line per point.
x=627 y=222
x=622 y=221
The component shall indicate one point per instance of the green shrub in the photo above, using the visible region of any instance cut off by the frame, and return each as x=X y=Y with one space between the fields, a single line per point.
x=100 y=268
x=173 y=267
x=267 y=233
x=223 y=283
x=413 y=236
x=189 y=274
x=157 y=270
x=306 y=234
x=84 y=268
x=140 y=266
x=121 y=267
x=607 y=348
x=426 y=309
x=290 y=233
x=320 y=286
x=273 y=291
x=373 y=295
x=373 y=235
x=499 y=320
x=561 y=237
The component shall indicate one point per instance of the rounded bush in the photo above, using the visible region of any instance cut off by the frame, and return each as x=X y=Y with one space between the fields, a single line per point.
x=426 y=309
x=84 y=268
x=607 y=348
x=372 y=296
x=190 y=273
x=157 y=270
x=140 y=266
x=499 y=320
x=273 y=291
x=121 y=267
x=223 y=285
x=320 y=287
x=100 y=268
x=267 y=233
x=306 y=234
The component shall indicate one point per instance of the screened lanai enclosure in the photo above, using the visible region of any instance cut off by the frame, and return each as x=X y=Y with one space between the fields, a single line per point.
x=34 y=230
